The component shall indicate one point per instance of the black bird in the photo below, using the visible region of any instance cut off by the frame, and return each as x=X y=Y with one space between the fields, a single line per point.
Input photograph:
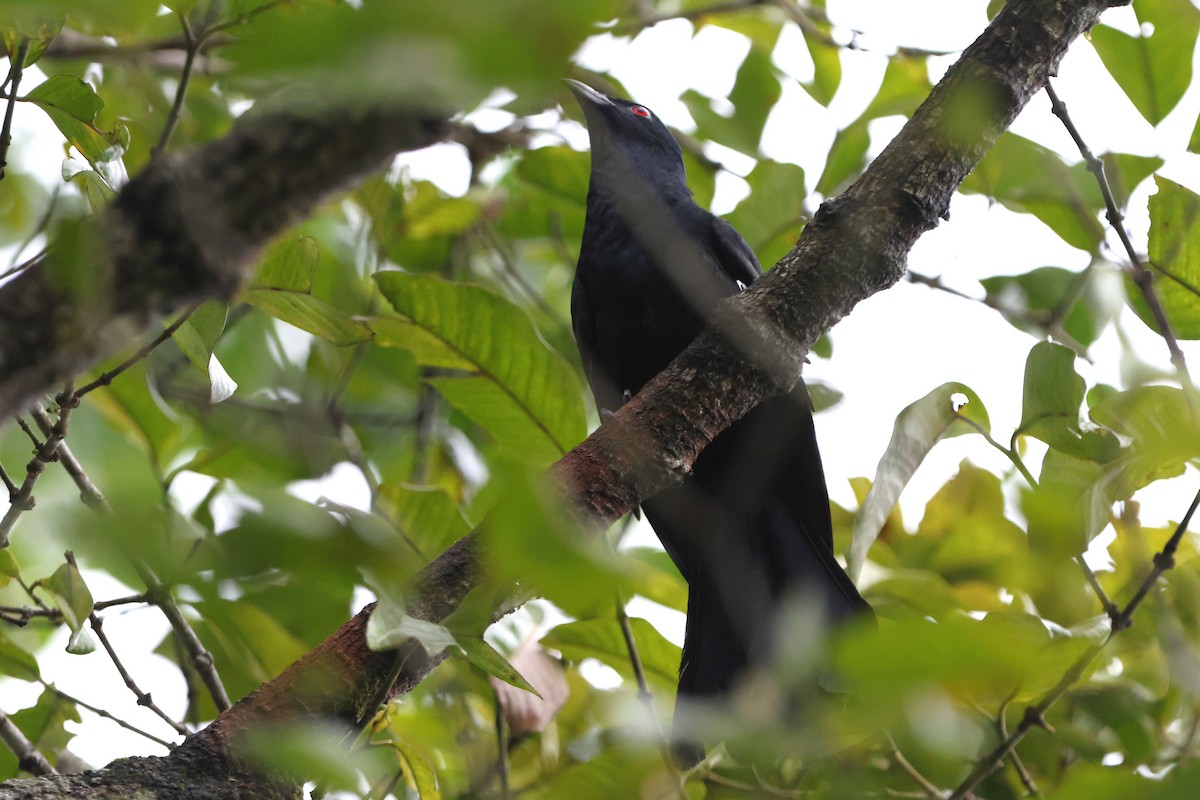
x=751 y=524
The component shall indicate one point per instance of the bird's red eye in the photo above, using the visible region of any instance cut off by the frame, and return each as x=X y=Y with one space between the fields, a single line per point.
x=641 y=111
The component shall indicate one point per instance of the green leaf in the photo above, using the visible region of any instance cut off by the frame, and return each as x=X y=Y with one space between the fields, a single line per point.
x=43 y=724
x=427 y=516
x=655 y=577
x=1052 y=396
x=197 y=337
x=923 y=592
x=249 y=645
x=939 y=414
x=92 y=185
x=180 y=6
x=1126 y=715
x=1180 y=784
x=770 y=217
x=521 y=391
x=966 y=535
x=1062 y=512
x=827 y=70
x=754 y=94
x=70 y=595
x=40 y=35
x=847 y=157
x=426 y=347
x=1027 y=177
x=1154 y=68
x=452 y=55
x=1161 y=422
x=1174 y=259
x=390 y=626
x=761 y=29
x=531 y=540
x=314 y=750
x=1087 y=781
x=309 y=314
x=1125 y=172
x=290 y=265
x=1053 y=390
x=73 y=105
x=613 y=773
x=547 y=194
x=485 y=657
x=8 y=567
x=418 y=769
x=1030 y=300
x=132 y=407
x=602 y=640
x=976 y=661
x=16 y=662
x=905 y=86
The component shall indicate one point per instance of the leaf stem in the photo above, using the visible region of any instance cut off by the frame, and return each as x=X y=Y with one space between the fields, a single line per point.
x=1141 y=277
x=15 y=69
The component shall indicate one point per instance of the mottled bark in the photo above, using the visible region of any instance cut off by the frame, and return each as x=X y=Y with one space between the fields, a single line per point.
x=187 y=228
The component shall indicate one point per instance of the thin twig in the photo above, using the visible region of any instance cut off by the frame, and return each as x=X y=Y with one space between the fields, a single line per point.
x=88 y=493
x=8 y=484
x=107 y=378
x=1141 y=277
x=100 y=712
x=345 y=433
x=21 y=615
x=1110 y=608
x=29 y=758
x=750 y=788
x=198 y=656
x=185 y=77
x=45 y=453
x=930 y=789
x=509 y=273
x=639 y=674
x=1189 y=740
x=1023 y=774
x=15 y=68
x=1035 y=715
x=692 y=14
x=1050 y=322
x=1009 y=452
x=143 y=698
x=241 y=19
x=33 y=261
x=809 y=26
x=502 y=764
x=42 y=224
x=1163 y=561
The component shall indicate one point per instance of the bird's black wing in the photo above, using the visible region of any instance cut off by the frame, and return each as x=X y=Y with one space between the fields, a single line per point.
x=737 y=259
x=751 y=525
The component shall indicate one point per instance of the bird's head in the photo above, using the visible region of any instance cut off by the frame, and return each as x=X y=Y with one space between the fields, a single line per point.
x=628 y=140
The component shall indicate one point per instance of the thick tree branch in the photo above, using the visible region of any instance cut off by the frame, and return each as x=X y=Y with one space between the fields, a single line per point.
x=186 y=229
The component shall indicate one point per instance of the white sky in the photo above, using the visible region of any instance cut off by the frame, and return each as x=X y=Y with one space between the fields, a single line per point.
x=893 y=349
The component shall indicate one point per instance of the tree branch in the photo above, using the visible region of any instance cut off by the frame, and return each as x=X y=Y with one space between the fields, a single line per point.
x=187 y=228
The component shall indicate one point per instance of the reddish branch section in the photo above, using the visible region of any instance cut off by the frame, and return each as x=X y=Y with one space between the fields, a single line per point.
x=342 y=678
